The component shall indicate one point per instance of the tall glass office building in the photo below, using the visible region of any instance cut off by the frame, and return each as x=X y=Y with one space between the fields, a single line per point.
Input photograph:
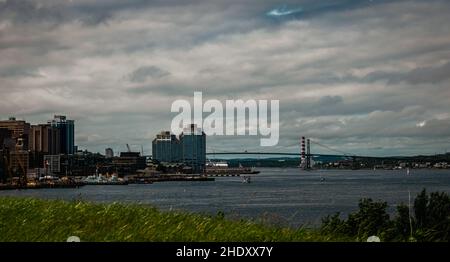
x=193 y=143
x=166 y=148
x=67 y=133
x=189 y=149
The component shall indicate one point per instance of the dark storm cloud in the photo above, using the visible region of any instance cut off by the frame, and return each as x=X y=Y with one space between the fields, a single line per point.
x=142 y=73
x=416 y=76
x=57 y=12
x=28 y=11
x=18 y=72
x=88 y=12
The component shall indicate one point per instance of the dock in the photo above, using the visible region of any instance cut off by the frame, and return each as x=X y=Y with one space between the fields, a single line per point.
x=106 y=183
x=40 y=185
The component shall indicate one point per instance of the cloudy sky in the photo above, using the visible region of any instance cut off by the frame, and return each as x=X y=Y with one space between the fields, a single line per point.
x=366 y=77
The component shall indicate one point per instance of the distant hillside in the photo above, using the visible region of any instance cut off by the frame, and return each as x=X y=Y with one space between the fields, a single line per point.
x=272 y=162
x=295 y=161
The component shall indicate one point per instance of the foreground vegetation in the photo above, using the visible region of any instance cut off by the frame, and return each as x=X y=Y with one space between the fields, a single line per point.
x=29 y=219
x=428 y=220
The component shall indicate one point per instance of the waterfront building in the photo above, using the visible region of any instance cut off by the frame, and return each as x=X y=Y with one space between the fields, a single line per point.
x=166 y=148
x=189 y=149
x=193 y=143
x=52 y=164
x=19 y=132
x=67 y=133
x=45 y=138
x=83 y=163
x=129 y=162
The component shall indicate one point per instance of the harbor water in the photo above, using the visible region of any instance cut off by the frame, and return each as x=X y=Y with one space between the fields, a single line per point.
x=284 y=196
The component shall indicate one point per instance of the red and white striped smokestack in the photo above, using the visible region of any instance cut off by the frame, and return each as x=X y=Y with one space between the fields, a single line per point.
x=303 y=148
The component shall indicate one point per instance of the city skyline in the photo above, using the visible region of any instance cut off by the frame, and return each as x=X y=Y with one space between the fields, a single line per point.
x=367 y=77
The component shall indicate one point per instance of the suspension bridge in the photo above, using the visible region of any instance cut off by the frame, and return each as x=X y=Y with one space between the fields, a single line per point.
x=305 y=153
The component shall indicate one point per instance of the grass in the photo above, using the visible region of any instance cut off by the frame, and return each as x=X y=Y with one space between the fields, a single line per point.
x=30 y=219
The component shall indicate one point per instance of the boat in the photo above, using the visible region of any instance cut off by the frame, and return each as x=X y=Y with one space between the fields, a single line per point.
x=246 y=180
x=249 y=171
x=48 y=178
x=99 y=179
x=221 y=168
x=219 y=164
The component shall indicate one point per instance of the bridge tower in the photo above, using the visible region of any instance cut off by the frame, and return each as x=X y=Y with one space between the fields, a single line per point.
x=302 y=153
x=308 y=154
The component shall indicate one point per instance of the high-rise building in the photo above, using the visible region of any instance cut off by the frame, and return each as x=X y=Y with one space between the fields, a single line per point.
x=19 y=132
x=166 y=148
x=66 y=133
x=189 y=149
x=5 y=134
x=193 y=143
x=45 y=138
x=109 y=153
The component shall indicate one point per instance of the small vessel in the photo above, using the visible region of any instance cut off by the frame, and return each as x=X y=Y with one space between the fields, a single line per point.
x=99 y=179
x=247 y=170
x=222 y=169
x=246 y=180
x=220 y=164
x=48 y=178
x=407 y=171
x=250 y=172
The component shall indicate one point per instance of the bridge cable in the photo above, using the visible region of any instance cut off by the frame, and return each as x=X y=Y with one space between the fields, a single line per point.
x=332 y=149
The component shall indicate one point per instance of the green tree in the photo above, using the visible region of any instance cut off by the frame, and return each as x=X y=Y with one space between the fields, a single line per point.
x=334 y=225
x=370 y=219
x=438 y=209
x=432 y=215
x=438 y=218
x=402 y=223
x=431 y=220
x=420 y=209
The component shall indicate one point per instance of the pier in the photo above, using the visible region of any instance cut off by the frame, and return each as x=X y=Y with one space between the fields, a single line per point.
x=41 y=185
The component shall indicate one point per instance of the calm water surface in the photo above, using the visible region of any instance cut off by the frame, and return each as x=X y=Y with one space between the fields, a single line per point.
x=282 y=196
